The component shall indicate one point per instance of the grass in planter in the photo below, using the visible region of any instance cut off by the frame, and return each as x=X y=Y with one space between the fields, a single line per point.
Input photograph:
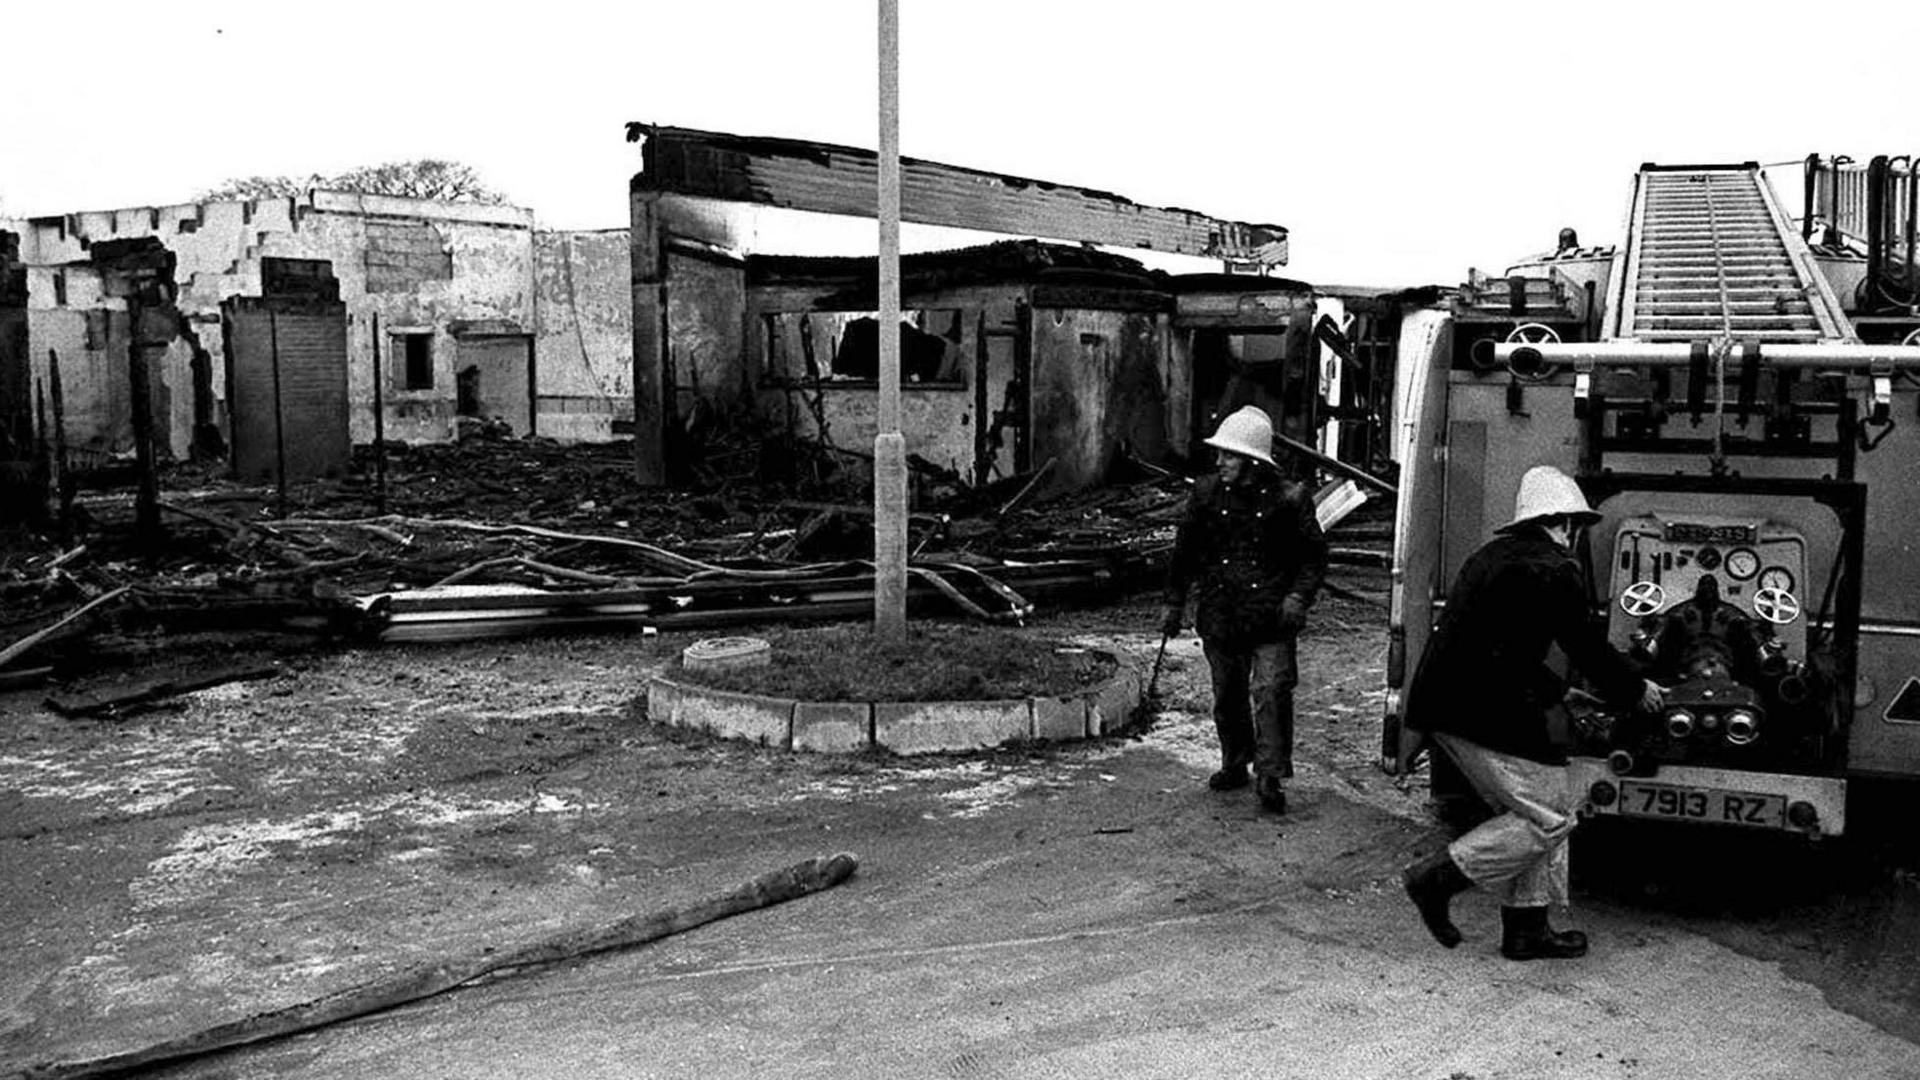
x=935 y=663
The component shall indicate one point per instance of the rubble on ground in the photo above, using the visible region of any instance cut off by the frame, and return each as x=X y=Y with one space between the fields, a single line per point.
x=498 y=536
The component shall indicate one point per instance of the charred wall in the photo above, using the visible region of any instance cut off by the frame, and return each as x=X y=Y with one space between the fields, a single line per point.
x=19 y=432
x=287 y=375
x=1100 y=389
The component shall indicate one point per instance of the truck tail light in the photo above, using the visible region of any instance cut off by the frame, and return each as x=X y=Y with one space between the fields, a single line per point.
x=1679 y=723
x=1802 y=815
x=1602 y=793
x=1742 y=727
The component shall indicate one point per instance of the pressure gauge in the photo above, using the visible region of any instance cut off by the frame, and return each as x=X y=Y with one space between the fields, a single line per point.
x=1777 y=577
x=1742 y=563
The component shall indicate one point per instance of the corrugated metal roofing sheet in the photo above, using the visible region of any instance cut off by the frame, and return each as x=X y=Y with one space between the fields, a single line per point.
x=820 y=177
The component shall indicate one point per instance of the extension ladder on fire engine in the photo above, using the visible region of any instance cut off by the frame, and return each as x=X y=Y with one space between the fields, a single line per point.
x=1711 y=255
x=1714 y=274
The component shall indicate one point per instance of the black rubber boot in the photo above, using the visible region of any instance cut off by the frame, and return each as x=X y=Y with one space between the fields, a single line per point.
x=1525 y=935
x=1270 y=794
x=1229 y=778
x=1432 y=883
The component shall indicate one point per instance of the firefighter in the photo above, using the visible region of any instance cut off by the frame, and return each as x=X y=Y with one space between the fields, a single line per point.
x=1482 y=692
x=1251 y=548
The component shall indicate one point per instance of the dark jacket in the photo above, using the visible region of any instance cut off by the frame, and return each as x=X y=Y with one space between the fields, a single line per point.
x=1483 y=676
x=1243 y=548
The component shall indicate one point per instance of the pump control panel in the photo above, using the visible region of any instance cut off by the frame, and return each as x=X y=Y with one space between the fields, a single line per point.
x=1759 y=567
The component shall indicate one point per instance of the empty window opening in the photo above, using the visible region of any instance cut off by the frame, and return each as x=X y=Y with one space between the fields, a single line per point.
x=415 y=352
x=845 y=346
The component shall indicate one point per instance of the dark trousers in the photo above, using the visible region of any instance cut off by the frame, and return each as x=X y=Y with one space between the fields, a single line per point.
x=1262 y=676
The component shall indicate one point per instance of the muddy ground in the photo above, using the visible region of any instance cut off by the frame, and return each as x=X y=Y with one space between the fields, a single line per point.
x=1072 y=910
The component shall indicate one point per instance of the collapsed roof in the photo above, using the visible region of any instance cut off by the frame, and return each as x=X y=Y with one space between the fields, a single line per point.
x=797 y=174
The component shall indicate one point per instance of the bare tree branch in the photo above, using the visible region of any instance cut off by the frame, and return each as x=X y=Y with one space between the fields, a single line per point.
x=426 y=178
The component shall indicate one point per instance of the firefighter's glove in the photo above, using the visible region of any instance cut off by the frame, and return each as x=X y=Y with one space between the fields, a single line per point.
x=1171 y=618
x=1652 y=696
x=1293 y=615
x=1413 y=746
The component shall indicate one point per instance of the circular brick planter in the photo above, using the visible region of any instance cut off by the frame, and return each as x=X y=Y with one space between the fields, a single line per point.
x=904 y=727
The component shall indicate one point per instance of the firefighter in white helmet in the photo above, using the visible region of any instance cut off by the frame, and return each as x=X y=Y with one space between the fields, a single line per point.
x=1482 y=692
x=1251 y=549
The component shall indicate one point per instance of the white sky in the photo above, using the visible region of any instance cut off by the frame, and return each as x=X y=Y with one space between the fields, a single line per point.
x=1400 y=143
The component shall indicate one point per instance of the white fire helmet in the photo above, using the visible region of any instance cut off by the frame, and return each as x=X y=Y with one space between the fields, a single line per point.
x=1547 y=492
x=1247 y=431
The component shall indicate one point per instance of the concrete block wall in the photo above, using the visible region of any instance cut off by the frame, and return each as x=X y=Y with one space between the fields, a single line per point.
x=583 y=333
x=408 y=263
x=402 y=255
x=70 y=315
x=93 y=385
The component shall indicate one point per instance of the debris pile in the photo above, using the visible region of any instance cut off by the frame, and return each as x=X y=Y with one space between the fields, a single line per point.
x=496 y=536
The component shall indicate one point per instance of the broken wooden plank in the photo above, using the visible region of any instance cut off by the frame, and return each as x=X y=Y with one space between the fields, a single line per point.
x=370 y=528
x=24 y=677
x=854 y=510
x=480 y=567
x=439 y=976
x=119 y=700
x=225 y=524
x=67 y=557
x=1027 y=489
x=570 y=574
x=1359 y=557
x=310 y=569
x=26 y=644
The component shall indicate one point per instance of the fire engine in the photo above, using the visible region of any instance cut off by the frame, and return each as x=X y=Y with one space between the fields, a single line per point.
x=1736 y=394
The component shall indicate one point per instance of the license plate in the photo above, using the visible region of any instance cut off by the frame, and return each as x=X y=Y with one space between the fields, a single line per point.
x=1704 y=805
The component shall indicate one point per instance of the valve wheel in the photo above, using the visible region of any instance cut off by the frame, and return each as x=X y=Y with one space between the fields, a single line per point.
x=1777 y=606
x=1645 y=597
x=1534 y=333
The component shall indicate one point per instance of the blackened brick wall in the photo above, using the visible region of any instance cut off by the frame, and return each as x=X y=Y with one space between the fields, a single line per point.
x=18 y=431
x=16 y=367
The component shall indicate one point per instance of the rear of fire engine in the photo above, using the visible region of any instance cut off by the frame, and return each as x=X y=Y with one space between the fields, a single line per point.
x=1751 y=443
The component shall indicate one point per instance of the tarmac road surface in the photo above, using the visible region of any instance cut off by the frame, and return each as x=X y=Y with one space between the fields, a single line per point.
x=1086 y=910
